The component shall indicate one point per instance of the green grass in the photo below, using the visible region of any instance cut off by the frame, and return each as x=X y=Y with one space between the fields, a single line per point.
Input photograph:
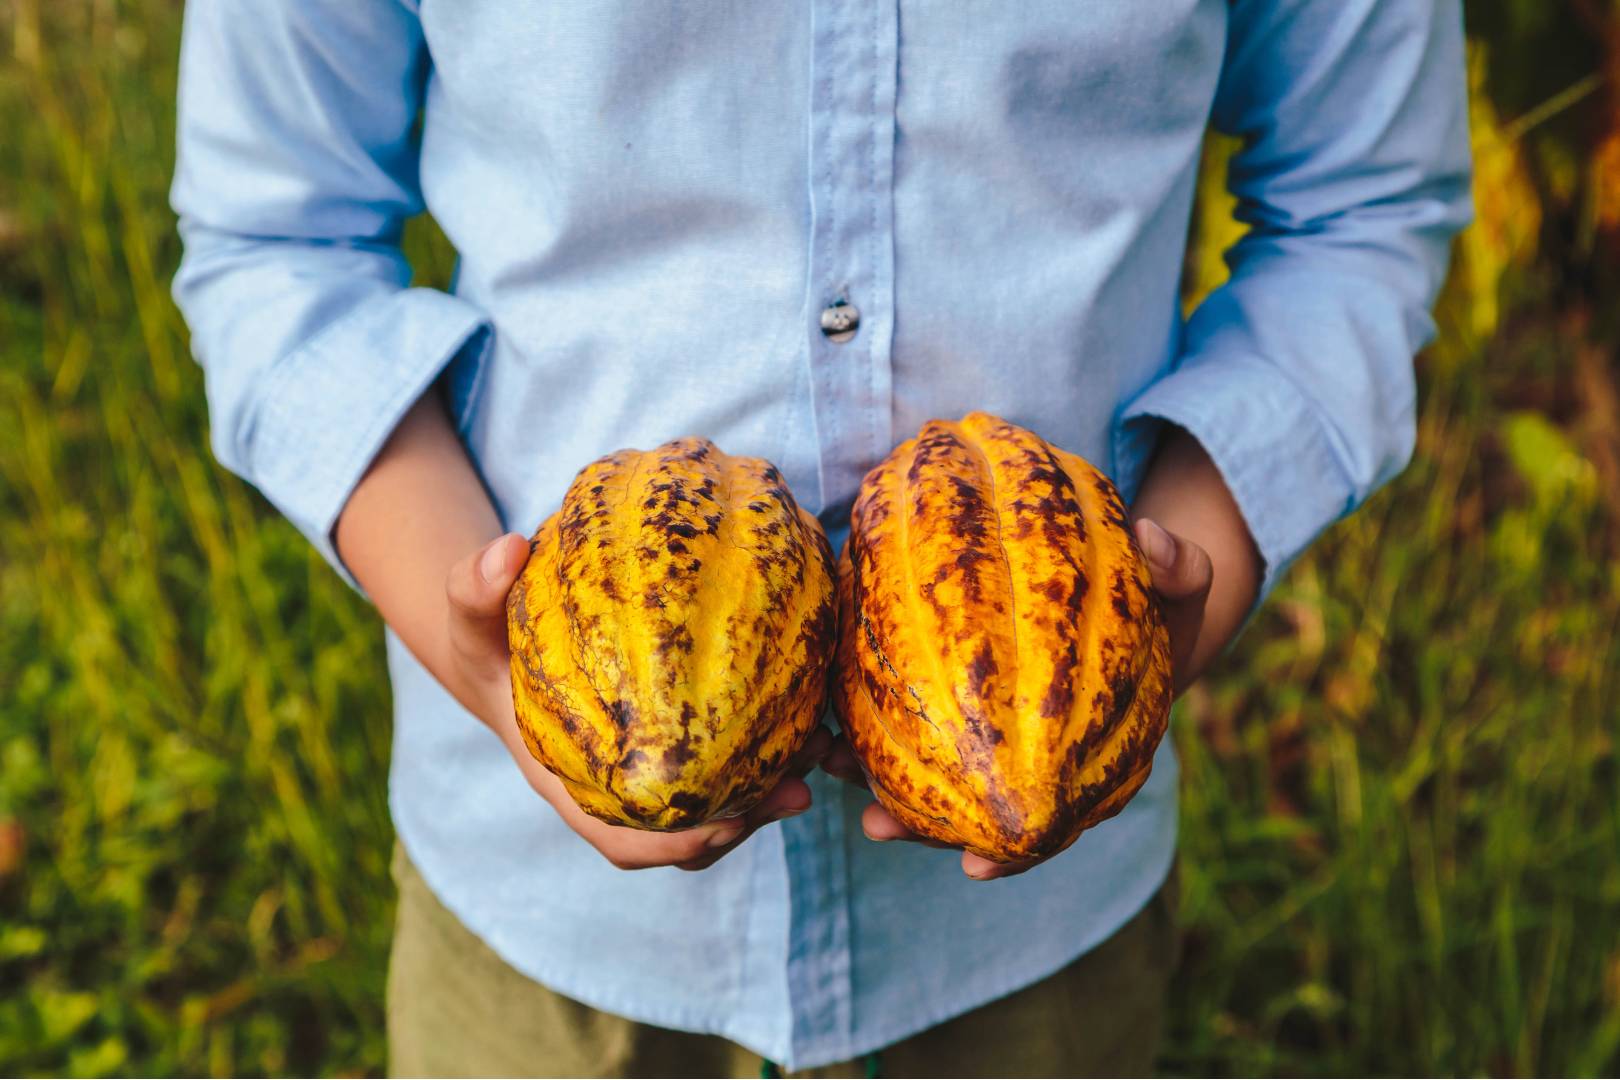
x=1402 y=809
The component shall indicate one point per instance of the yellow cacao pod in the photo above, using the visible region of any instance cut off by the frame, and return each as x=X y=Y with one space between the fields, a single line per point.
x=671 y=635
x=1004 y=669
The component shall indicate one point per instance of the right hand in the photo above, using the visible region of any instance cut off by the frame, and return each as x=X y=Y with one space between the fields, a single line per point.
x=476 y=593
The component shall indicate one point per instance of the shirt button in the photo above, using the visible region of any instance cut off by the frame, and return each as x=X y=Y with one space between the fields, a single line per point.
x=839 y=321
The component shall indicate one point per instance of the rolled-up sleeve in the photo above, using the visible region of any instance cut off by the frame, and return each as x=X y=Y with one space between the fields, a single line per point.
x=296 y=171
x=1296 y=375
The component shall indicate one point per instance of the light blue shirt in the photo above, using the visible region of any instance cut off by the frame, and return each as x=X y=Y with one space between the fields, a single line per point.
x=653 y=203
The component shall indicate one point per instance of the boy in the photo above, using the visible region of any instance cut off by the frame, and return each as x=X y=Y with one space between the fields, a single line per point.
x=799 y=230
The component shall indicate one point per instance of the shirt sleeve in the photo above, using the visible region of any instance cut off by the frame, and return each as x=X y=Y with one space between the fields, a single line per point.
x=1296 y=376
x=296 y=170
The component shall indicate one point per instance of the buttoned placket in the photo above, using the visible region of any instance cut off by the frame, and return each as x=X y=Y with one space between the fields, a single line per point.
x=853 y=58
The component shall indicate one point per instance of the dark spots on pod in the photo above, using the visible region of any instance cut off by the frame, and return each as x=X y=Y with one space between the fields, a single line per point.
x=1113 y=508
x=632 y=760
x=982 y=666
x=609 y=588
x=1058 y=700
x=681 y=752
x=758 y=507
x=928 y=590
x=1005 y=811
x=1118 y=595
x=971 y=520
x=967 y=564
x=681 y=529
x=822 y=627
x=676 y=547
x=622 y=713
x=993 y=735
x=674 y=638
x=711 y=523
x=1122 y=687
x=1077 y=594
x=775 y=561
x=688 y=804
x=1046 y=473
x=1130 y=759
x=691 y=449
x=871 y=509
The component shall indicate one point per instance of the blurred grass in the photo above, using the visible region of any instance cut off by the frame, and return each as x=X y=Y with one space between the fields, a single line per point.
x=1402 y=815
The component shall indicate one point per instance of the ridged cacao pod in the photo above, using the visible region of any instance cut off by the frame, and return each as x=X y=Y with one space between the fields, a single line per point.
x=1004 y=669
x=671 y=635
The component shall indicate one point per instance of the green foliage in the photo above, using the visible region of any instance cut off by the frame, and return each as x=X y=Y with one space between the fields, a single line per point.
x=1402 y=808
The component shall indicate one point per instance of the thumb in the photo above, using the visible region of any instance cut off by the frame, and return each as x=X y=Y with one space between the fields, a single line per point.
x=1182 y=575
x=1181 y=569
x=477 y=588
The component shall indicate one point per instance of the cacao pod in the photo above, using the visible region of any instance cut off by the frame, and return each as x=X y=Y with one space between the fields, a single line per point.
x=1004 y=669
x=671 y=635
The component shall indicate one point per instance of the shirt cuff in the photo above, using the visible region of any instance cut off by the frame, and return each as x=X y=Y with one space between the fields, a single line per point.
x=1265 y=438
x=326 y=409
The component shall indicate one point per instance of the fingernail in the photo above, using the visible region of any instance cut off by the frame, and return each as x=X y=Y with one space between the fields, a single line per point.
x=493 y=562
x=792 y=811
x=724 y=836
x=1157 y=544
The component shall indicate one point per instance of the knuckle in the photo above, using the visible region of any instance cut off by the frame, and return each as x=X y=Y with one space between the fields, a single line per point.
x=456 y=588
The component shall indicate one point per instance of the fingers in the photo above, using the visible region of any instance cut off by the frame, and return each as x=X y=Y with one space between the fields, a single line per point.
x=790 y=797
x=477 y=588
x=701 y=848
x=812 y=753
x=880 y=825
x=689 y=849
x=1182 y=576
x=1181 y=569
x=478 y=584
x=786 y=799
x=980 y=868
x=841 y=762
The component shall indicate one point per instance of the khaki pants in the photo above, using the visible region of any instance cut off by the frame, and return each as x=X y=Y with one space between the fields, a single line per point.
x=457 y=1009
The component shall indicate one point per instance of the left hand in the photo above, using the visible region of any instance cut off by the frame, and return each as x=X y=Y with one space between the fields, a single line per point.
x=1182 y=496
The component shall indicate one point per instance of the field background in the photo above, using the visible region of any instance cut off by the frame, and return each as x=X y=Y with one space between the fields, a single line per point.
x=1402 y=813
